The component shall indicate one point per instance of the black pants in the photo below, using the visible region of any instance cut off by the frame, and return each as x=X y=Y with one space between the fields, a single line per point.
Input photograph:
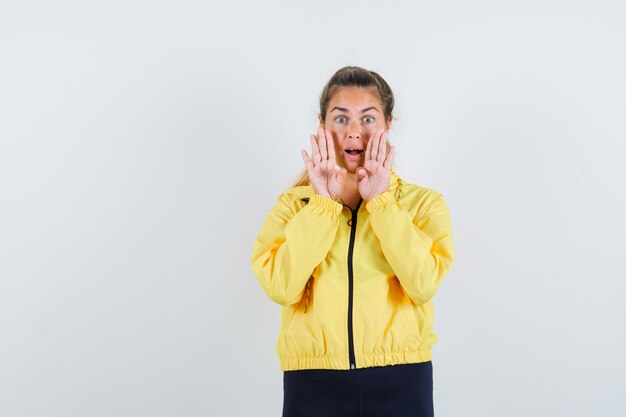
x=404 y=390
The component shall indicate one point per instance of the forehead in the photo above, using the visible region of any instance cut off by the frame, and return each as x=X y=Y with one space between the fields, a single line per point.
x=357 y=97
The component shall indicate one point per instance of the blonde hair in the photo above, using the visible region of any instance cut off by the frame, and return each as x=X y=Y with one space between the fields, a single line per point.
x=351 y=76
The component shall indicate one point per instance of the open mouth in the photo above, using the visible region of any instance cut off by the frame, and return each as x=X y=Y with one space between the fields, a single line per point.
x=353 y=155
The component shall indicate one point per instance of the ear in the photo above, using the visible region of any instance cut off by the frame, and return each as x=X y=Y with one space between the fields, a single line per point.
x=319 y=117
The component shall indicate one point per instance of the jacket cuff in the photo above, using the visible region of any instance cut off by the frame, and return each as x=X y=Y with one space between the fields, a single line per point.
x=378 y=203
x=327 y=203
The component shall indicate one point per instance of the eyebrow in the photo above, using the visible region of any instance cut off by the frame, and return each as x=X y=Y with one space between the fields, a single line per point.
x=346 y=110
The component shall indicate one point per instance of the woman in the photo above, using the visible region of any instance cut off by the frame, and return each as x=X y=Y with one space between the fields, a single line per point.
x=354 y=254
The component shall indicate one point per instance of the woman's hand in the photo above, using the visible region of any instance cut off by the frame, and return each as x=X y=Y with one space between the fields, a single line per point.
x=327 y=178
x=373 y=178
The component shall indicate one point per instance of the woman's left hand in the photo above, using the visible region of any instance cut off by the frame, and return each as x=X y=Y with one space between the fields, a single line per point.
x=373 y=177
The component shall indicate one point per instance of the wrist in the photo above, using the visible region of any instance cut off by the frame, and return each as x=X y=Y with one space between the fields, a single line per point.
x=337 y=199
x=328 y=196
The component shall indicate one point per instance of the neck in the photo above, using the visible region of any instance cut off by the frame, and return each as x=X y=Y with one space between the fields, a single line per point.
x=351 y=194
x=352 y=178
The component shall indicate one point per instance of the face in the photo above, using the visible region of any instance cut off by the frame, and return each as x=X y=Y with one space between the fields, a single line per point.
x=354 y=114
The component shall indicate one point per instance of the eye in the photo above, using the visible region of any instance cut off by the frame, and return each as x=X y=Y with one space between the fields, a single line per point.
x=339 y=117
x=366 y=118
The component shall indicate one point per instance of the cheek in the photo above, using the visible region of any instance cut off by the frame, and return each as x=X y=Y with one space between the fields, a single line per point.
x=336 y=132
x=336 y=138
x=374 y=127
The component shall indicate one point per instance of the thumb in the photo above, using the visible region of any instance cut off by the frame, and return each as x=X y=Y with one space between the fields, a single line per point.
x=340 y=173
x=361 y=172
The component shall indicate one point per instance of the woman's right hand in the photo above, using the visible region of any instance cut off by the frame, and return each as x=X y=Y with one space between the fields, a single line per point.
x=327 y=178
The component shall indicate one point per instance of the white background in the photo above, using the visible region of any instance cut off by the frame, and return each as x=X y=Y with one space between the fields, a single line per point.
x=143 y=144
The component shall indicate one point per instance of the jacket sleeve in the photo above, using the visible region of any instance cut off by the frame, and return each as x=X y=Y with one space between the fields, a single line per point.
x=291 y=244
x=420 y=250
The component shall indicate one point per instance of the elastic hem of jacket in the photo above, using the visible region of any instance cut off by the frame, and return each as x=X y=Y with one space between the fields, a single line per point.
x=362 y=361
x=327 y=203
x=378 y=203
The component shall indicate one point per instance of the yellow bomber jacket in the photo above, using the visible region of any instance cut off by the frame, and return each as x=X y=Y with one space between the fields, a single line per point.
x=355 y=286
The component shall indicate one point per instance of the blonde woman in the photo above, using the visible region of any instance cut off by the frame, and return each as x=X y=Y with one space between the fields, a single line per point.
x=354 y=255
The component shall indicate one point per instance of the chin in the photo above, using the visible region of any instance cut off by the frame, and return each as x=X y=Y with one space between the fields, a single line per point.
x=351 y=166
x=352 y=169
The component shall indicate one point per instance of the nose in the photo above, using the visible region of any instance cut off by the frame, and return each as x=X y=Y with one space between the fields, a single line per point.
x=354 y=130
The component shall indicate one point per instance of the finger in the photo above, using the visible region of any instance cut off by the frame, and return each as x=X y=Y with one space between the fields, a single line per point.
x=382 y=147
x=368 y=149
x=322 y=142
x=389 y=160
x=376 y=141
x=331 y=147
x=307 y=161
x=305 y=157
x=315 y=150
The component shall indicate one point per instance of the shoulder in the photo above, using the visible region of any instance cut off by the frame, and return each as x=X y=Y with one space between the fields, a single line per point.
x=418 y=198
x=294 y=198
x=299 y=191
